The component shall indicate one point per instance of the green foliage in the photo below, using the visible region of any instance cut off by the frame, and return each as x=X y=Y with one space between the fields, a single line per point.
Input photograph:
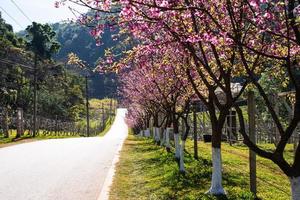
x=273 y=85
x=62 y=95
x=41 y=40
x=12 y=84
x=7 y=35
x=60 y=92
x=14 y=89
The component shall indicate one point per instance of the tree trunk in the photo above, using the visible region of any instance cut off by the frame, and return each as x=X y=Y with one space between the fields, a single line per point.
x=141 y=133
x=177 y=145
x=35 y=96
x=19 y=123
x=217 y=124
x=295 y=187
x=147 y=132
x=168 y=148
x=158 y=133
x=176 y=137
x=154 y=133
x=162 y=142
x=181 y=162
x=216 y=183
x=195 y=135
x=5 y=123
x=155 y=130
x=157 y=136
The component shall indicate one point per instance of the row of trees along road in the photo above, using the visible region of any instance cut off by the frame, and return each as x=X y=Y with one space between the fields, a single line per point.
x=27 y=69
x=184 y=50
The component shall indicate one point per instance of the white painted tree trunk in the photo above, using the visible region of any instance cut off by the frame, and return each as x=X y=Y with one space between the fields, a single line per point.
x=295 y=187
x=177 y=145
x=147 y=132
x=157 y=138
x=154 y=132
x=141 y=133
x=216 y=182
x=181 y=163
x=162 y=142
x=161 y=135
x=168 y=138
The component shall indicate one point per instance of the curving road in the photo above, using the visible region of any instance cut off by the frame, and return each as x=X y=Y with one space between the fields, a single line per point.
x=61 y=169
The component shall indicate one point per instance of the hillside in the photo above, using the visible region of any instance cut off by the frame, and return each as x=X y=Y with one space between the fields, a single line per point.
x=77 y=39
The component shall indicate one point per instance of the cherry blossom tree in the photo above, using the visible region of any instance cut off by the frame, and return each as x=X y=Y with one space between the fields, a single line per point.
x=266 y=34
x=160 y=82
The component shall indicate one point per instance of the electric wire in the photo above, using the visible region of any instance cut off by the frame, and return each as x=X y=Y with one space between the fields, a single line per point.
x=18 y=7
x=11 y=17
x=9 y=62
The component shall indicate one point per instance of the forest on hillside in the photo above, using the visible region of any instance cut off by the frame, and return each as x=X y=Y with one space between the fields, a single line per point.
x=60 y=91
x=77 y=39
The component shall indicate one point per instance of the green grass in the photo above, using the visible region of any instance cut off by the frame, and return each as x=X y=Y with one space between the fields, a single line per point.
x=12 y=137
x=11 y=140
x=96 y=112
x=26 y=135
x=146 y=171
x=271 y=182
x=97 y=103
x=108 y=124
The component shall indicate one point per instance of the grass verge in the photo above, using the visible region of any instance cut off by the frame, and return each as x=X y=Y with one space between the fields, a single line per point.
x=146 y=171
x=11 y=140
x=108 y=125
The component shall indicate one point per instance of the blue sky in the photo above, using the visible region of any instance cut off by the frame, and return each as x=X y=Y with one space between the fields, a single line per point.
x=42 y=11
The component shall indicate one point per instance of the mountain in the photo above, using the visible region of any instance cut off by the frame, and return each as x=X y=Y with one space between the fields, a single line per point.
x=77 y=39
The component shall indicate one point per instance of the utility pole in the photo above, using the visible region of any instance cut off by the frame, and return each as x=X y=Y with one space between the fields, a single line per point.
x=110 y=107
x=34 y=95
x=87 y=106
x=103 y=117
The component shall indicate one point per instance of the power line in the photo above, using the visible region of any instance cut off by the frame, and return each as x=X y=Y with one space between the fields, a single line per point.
x=11 y=17
x=18 y=7
x=15 y=63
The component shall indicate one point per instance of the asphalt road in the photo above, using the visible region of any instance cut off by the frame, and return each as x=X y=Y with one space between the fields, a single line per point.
x=60 y=169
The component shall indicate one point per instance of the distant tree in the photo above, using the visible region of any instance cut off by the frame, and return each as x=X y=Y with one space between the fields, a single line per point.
x=10 y=75
x=42 y=42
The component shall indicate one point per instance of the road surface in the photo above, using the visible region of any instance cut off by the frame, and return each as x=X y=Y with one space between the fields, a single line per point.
x=60 y=169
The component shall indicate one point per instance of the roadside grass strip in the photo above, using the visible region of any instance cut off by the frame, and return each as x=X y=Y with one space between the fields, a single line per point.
x=147 y=171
